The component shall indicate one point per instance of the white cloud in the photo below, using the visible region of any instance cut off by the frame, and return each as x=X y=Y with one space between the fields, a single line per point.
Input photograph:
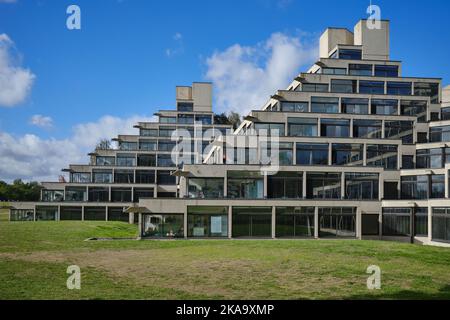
x=41 y=121
x=178 y=47
x=15 y=81
x=30 y=157
x=245 y=77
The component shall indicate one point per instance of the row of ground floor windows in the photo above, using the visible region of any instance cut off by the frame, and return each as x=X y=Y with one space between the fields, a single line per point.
x=290 y=222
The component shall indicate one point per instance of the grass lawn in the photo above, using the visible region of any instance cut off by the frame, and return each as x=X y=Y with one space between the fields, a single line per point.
x=4 y=214
x=34 y=258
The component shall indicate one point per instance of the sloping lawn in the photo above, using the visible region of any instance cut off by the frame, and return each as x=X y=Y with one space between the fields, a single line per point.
x=34 y=257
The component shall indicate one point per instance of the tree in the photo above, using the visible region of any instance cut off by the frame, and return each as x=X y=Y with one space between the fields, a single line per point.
x=103 y=144
x=20 y=191
x=235 y=119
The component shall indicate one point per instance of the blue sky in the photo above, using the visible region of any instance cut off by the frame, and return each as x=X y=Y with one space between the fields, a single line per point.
x=130 y=54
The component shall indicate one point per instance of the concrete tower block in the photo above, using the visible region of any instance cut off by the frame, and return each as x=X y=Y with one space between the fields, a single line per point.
x=332 y=37
x=375 y=42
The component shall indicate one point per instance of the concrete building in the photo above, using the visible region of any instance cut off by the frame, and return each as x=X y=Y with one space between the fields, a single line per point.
x=361 y=152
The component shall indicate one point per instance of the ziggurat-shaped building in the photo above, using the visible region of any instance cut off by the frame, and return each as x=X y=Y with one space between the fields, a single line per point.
x=362 y=153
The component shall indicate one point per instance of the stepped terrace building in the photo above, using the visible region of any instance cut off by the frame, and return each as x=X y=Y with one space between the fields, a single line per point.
x=360 y=152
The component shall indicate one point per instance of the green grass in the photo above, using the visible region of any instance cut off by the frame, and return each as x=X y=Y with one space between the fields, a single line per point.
x=34 y=258
x=4 y=214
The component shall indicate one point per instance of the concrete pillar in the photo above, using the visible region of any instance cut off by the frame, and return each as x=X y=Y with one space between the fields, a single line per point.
x=430 y=223
x=82 y=213
x=185 y=223
x=446 y=184
x=318 y=127
x=365 y=154
x=382 y=129
x=330 y=153
x=58 y=214
x=316 y=222
x=358 y=223
x=106 y=213
x=304 y=185
x=294 y=153
x=131 y=218
x=273 y=222
x=265 y=186
x=342 y=185
x=380 y=224
x=351 y=128
x=140 y=225
x=230 y=222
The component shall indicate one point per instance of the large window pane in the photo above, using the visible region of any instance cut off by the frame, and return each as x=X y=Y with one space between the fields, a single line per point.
x=208 y=222
x=367 y=129
x=415 y=109
x=294 y=222
x=245 y=185
x=252 y=222
x=399 y=130
x=386 y=71
x=382 y=155
x=355 y=106
x=343 y=86
x=441 y=224
x=427 y=90
x=323 y=185
x=396 y=221
x=371 y=87
x=360 y=69
x=347 y=154
x=285 y=185
x=361 y=186
x=334 y=128
x=205 y=187
x=399 y=88
x=294 y=106
x=384 y=106
x=162 y=226
x=337 y=222
x=324 y=105
x=312 y=153
x=302 y=127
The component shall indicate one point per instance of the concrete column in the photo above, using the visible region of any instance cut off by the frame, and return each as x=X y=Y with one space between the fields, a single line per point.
x=382 y=129
x=304 y=185
x=294 y=153
x=446 y=183
x=351 y=128
x=82 y=213
x=273 y=222
x=316 y=222
x=365 y=154
x=140 y=225
x=230 y=222
x=106 y=213
x=380 y=186
x=342 y=185
x=185 y=223
x=318 y=127
x=358 y=223
x=330 y=152
x=430 y=223
x=265 y=186
x=131 y=218
x=380 y=224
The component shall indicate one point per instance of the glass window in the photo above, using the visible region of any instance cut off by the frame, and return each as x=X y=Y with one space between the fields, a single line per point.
x=421 y=221
x=324 y=105
x=426 y=89
x=205 y=188
x=185 y=118
x=302 y=127
x=245 y=185
x=121 y=194
x=166 y=131
x=276 y=129
x=384 y=107
x=98 y=194
x=390 y=190
x=415 y=109
x=396 y=221
x=294 y=222
x=46 y=213
x=407 y=162
x=80 y=177
x=441 y=224
x=185 y=106
x=350 y=54
x=294 y=106
x=70 y=213
x=148 y=132
x=386 y=71
x=334 y=71
x=126 y=145
x=123 y=176
x=285 y=153
x=355 y=106
x=52 y=195
x=343 y=86
x=203 y=119
x=445 y=113
x=437 y=186
x=162 y=226
x=371 y=87
x=314 y=87
x=370 y=225
x=166 y=145
x=399 y=88
x=165 y=178
x=143 y=193
x=430 y=158
x=126 y=160
x=334 y=128
x=76 y=194
x=163 y=119
x=337 y=222
x=361 y=186
x=21 y=215
x=104 y=161
x=312 y=153
x=414 y=187
x=145 y=176
x=102 y=176
x=285 y=185
x=117 y=214
x=211 y=222
x=165 y=160
x=146 y=160
x=347 y=154
x=367 y=129
x=252 y=222
x=399 y=130
x=440 y=134
x=147 y=145
x=323 y=185
x=360 y=69
x=382 y=155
